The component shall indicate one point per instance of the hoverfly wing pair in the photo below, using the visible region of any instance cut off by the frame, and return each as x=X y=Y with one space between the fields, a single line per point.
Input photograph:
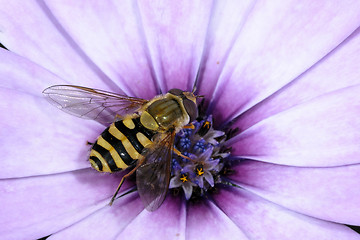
x=153 y=176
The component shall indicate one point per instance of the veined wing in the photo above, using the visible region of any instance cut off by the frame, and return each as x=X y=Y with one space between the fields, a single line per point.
x=153 y=177
x=88 y=103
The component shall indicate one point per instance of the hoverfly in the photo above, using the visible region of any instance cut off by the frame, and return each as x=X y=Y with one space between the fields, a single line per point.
x=140 y=133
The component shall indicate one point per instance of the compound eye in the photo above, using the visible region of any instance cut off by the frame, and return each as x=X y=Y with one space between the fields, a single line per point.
x=176 y=91
x=191 y=109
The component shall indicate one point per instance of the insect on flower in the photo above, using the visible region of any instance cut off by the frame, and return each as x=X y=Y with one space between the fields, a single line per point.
x=141 y=133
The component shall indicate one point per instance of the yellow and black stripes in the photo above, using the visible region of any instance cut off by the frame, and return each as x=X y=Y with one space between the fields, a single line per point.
x=130 y=134
x=120 y=145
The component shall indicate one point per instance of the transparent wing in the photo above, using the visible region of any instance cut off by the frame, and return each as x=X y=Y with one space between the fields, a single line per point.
x=153 y=177
x=94 y=104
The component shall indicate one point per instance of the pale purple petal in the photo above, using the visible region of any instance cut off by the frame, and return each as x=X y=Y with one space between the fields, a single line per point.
x=175 y=32
x=200 y=182
x=211 y=164
x=327 y=193
x=30 y=30
x=34 y=133
x=206 y=221
x=106 y=223
x=209 y=178
x=339 y=69
x=204 y=157
x=168 y=222
x=225 y=25
x=261 y=219
x=110 y=33
x=38 y=206
x=211 y=135
x=175 y=182
x=278 y=42
x=188 y=188
x=20 y=74
x=321 y=132
x=39 y=139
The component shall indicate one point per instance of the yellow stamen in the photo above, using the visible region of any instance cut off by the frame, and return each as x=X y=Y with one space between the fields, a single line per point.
x=199 y=171
x=184 y=178
x=207 y=124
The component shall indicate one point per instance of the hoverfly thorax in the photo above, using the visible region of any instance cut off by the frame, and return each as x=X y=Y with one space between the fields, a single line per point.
x=172 y=110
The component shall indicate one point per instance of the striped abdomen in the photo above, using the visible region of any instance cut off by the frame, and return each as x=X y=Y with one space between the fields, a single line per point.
x=120 y=145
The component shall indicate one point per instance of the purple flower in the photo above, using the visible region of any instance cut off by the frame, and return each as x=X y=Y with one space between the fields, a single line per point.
x=285 y=74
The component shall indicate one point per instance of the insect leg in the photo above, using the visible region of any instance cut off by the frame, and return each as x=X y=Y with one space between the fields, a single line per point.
x=140 y=162
x=189 y=126
x=177 y=152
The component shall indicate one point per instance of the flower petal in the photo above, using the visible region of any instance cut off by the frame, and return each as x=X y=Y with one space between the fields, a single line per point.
x=175 y=32
x=111 y=35
x=188 y=188
x=37 y=138
x=20 y=74
x=175 y=182
x=29 y=29
x=261 y=219
x=199 y=182
x=225 y=26
x=278 y=42
x=321 y=132
x=168 y=222
x=41 y=132
x=107 y=222
x=206 y=221
x=209 y=178
x=322 y=78
x=53 y=202
x=327 y=193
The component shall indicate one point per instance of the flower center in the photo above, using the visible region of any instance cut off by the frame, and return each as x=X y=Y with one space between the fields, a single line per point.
x=204 y=147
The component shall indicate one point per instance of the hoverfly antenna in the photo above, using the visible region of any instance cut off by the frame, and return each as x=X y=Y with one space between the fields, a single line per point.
x=196 y=96
x=199 y=96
